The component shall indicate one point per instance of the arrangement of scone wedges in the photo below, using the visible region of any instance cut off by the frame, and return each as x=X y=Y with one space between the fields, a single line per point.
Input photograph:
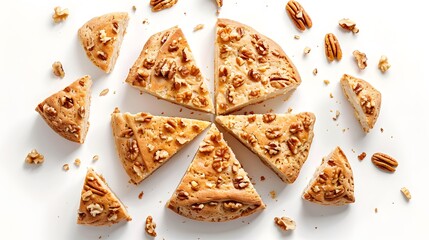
x=101 y=38
x=215 y=187
x=99 y=206
x=167 y=69
x=281 y=141
x=67 y=111
x=249 y=67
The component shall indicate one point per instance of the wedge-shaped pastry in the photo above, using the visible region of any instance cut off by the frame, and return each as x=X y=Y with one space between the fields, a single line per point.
x=101 y=38
x=99 y=206
x=249 y=67
x=145 y=142
x=365 y=99
x=215 y=187
x=167 y=69
x=281 y=141
x=67 y=111
x=332 y=183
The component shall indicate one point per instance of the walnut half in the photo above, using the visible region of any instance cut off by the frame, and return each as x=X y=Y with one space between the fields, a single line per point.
x=285 y=223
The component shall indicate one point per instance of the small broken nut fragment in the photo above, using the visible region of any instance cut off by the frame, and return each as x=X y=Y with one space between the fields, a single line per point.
x=103 y=36
x=332 y=48
x=60 y=14
x=58 y=70
x=348 y=25
x=384 y=162
x=406 y=193
x=285 y=223
x=158 y=5
x=360 y=58
x=362 y=156
x=307 y=50
x=182 y=195
x=298 y=15
x=383 y=64
x=160 y=155
x=198 y=27
x=34 y=157
x=150 y=225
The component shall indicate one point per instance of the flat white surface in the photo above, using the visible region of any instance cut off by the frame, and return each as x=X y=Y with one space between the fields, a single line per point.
x=41 y=202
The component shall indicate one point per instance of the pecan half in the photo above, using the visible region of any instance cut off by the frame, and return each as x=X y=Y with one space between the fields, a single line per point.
x=298 y=15
x=158 y=5
x=332 y=48
x=384 y=162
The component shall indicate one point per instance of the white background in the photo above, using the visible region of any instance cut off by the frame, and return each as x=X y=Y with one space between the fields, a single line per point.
x=41 y=202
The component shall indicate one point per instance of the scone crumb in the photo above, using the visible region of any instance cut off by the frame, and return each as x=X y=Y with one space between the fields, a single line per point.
x=145 y=21
x=337 y=114
x=376 y=210
x=273 y=194
x=58 y=70
x=60 y=14
x=307 y=50
x=289 y=110
x=262 y=178
x=285 y=223
x=381 y=130
x=360 y=58
x=198 y=27
x=406 y=193
x=34 y=157
x=141 y=195
x=326 y=82
x=77 y=162
x=134 y=8
x=296 y=37
x=66 y=167
x=331 y=95
x=383 y=64
x=104 y=92
x=362 y=156
x=150 y=226
x=95 y=158
x=315 y=71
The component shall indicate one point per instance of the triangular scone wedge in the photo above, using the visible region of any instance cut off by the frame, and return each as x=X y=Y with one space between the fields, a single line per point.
x=215 y=187
x=365 y=99
x=281 y=141
x=167 y=69
x=249 y=67
x=145 y=142
x=101 y=38
x=67 y=111
x=332 y=183
x=99 y=206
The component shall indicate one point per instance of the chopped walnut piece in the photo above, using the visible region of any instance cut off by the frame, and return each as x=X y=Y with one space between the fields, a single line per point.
x=349 y=25
x=406 y=193
x=160 y=155
x=34 y=157
x=57 y=69
x=307 y=50
x=66 y=167
x=293 y=144
x=94 y=209
x=77 y=162
x=268 y=117
x=86 y=195
x=60 y=14
x=272 y=148
x=104 y=92
x=273 y=194
x=383 y=64
x=362 y=156
x=285 y=223
x=198 y=27
x=103 y=36
x=360 y=58
x=166 y=68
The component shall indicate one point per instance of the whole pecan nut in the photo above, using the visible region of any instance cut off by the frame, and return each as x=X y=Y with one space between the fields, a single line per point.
x=384 y=162
x=332 y=48
x=298 y=15
x=158 y=5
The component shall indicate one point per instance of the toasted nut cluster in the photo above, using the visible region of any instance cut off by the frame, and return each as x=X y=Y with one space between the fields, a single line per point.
x=285 y=223
x=158 y=5
x=383 y=64
x=60 y=14
x=57 y=69
x=360 y=58
x=384 y=162
x=150 y=225
x=332 y=48
x=298 y=15
x=406 y=193
x=348 y=25
x=34 y=157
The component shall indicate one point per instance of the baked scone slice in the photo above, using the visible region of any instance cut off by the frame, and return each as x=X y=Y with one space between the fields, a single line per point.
x=215 y=187
x=364 y=98
x=145 y=142
x=332 y=183
x=101 y=38
x=67 y=111
x=281 y=141
x=99 y=206
x=249 y=67
x=167 y=69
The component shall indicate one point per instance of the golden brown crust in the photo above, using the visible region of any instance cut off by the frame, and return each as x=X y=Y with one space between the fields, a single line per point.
x=333 y=182
x=281 y=141
x=167 y=69
x=67 y=111
x=145 y=142
x=101 y=37
x=215 y=187
x=365 y=99
x=249 y=67
x=99 y=206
